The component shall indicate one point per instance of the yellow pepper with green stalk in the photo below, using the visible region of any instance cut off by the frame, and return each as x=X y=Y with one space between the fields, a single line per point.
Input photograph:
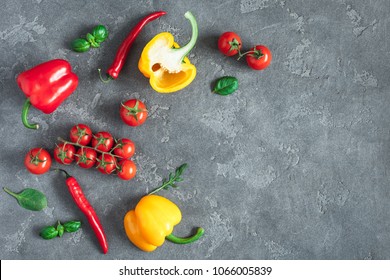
x=153 y=219
x=166 y=64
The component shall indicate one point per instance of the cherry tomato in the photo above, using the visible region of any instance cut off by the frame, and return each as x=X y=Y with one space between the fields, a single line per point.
x=64 y=153
x=81 y=134
x=37 y=161
x=86 y=157
x=126 y=169
x=229 y=43
x=259 y=57
x=103 y=141
x=106 y=163
x=133 y=112
x=125 y=148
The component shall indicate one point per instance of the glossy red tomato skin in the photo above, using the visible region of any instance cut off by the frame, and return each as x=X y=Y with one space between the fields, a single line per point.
x=229 y=43
x=259 y=63
x=38 y=161
x=106 y=163
x=133 y=112
x=81 y=134
x=86 y=157
x=102 y=141
x=64 y=153
x=125 y=148
x=126 y=169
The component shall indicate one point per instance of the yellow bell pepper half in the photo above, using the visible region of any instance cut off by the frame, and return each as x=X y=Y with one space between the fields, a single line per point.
x=152 y=221
x=165 y=64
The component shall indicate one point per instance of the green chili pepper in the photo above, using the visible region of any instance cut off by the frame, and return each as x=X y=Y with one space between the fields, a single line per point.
x=80 y=45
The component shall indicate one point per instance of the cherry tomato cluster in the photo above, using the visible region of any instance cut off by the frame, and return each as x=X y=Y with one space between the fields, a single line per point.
x=258 y=58
x=99 y=149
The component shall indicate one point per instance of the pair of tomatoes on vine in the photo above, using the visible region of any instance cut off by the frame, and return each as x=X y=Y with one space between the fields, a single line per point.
x=101 y=149
x=258 y=58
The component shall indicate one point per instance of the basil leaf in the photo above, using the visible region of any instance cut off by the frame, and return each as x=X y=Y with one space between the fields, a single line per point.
x=226 y=85
x=100 y=33
x=80 y=45
x=29 y=199
x=60 y=229
x=72 y=226
x=48 y=232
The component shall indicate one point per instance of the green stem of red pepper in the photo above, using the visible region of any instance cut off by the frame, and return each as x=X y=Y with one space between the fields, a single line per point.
x=25 y=111
x=186 y=240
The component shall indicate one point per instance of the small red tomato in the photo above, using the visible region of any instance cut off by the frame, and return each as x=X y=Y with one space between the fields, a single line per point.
x=37 y=161
x=124 y=148
x=126 y=169
x=81 y=134
x=86 y=157
x=64 y=153
x=133 y=112
x=259 y=57
x=229 y=43
x=106 y=163
x=103 y=141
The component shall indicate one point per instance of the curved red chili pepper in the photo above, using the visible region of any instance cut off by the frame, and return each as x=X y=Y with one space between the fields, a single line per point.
x=124 y=48
x=84 y=205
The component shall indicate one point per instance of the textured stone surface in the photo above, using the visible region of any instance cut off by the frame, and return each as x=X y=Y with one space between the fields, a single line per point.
x=294 y=165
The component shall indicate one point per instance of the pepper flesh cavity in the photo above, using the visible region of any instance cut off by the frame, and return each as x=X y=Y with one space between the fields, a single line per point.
x=165 y=64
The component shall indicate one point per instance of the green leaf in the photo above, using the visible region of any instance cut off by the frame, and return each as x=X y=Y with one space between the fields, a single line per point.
x=181 y=169
x=91 y=39
x=60 y=229
x=80 y=45
x=226 y=85
x=100 y=33
x=72 y=226
x=172 y=179
x=48 y=232
x=30 y=199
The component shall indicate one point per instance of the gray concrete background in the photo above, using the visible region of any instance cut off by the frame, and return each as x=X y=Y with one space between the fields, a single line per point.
x=294 y=165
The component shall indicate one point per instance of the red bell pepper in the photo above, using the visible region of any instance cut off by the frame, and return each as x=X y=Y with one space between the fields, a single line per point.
x=46 y=86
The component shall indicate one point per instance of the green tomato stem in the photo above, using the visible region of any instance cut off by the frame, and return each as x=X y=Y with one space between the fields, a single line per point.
x=256 y=53
x=25 y=111
x=111 y=152
x=185 y=240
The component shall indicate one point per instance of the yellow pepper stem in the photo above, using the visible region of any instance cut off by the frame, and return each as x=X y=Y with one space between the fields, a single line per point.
x=183 y=51
x=186 y=240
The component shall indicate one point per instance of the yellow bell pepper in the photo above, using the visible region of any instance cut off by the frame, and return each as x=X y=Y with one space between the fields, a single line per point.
x=152 y=221
x=165 y=64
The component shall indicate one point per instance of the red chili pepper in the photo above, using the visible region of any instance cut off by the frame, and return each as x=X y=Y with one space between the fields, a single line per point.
x=124 y=48
x=46 y=86
x=84 y=205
